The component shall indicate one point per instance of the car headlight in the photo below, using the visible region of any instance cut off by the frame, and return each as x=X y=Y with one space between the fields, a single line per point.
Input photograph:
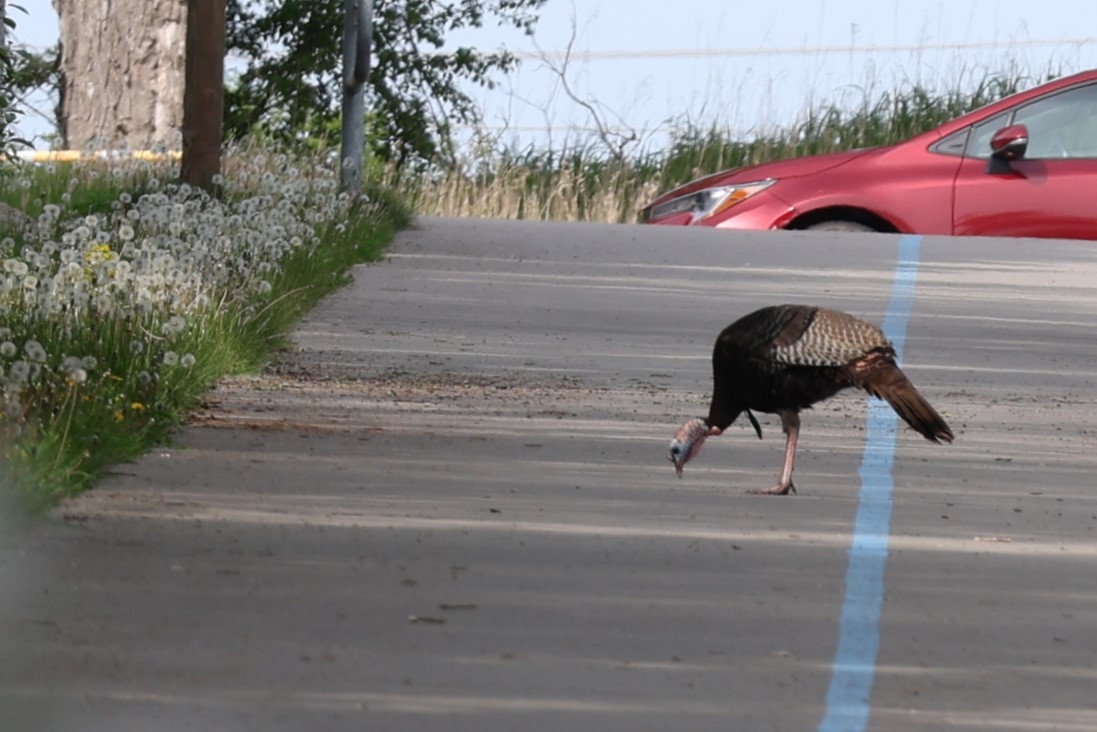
x=710 y=201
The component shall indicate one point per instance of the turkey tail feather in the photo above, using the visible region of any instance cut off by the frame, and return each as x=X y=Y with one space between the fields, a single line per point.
x=893 y=386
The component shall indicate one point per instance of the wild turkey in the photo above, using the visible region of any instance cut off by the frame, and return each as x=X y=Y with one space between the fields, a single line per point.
x=785 y=358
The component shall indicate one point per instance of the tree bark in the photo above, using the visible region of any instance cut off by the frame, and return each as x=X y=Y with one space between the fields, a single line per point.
x=122 y=63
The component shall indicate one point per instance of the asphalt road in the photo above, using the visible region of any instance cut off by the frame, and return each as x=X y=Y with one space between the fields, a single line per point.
x=450 y=508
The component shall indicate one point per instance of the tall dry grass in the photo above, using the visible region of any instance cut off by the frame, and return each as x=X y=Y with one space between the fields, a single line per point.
x=593 y=181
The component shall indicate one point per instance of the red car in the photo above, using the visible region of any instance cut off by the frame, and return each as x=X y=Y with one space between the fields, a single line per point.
x=1022 y=166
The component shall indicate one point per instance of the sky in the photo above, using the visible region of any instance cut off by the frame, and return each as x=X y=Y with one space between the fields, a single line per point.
x=642 y=64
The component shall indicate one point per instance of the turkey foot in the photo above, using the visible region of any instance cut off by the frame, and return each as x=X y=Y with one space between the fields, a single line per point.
x=777 y=490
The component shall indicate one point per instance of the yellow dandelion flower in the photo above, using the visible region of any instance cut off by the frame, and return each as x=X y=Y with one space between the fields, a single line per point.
x=98 y=253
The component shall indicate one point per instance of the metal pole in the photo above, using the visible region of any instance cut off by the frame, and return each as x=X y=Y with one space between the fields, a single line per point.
x=357 y=34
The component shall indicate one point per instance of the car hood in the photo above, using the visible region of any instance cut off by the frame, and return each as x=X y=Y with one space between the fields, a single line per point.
x=792 y=168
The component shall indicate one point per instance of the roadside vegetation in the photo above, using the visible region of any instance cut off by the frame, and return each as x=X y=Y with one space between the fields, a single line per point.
x=124 y=296
x=601 y=179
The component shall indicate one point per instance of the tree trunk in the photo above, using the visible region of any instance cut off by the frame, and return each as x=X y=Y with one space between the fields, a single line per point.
x=204 y=100
x=122 y=65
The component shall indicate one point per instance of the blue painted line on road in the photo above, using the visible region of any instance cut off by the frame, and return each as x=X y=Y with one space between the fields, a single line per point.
x=854 y=669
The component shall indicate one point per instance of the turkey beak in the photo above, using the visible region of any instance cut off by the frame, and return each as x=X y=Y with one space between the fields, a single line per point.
x=678 y=463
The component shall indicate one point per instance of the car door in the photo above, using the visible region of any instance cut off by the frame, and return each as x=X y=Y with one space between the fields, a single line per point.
x=1051 y=191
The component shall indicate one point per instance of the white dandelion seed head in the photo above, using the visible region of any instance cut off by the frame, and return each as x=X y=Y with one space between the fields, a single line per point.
x=16 y=267
x=19 y=372
x=174 y=325
x=70 y=364
x=35 y=352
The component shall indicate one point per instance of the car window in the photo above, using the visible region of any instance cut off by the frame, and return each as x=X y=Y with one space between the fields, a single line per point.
x=954 y=144
x=978 y=145
x=1062 y=125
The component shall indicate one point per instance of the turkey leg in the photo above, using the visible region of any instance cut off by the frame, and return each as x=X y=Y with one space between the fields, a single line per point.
x=790 y=425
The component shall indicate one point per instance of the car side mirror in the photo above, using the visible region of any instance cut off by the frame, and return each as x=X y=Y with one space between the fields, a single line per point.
x=1007 y=144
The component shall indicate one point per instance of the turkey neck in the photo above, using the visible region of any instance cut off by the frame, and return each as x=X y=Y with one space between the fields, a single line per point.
x=726 y=406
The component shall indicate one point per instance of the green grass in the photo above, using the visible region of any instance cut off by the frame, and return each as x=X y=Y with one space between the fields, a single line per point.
x=130 y=297
x=83 y=188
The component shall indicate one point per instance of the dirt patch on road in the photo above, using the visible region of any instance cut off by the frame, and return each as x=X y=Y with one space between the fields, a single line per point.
x=288 y=398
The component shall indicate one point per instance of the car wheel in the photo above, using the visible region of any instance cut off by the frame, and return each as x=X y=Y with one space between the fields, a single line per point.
x=839 y=226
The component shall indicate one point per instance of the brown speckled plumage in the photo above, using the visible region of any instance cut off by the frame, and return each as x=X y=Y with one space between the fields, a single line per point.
x=785 y=358
x=828 y=338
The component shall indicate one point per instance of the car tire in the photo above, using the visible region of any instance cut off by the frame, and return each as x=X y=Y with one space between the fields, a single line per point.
x=839 y=225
